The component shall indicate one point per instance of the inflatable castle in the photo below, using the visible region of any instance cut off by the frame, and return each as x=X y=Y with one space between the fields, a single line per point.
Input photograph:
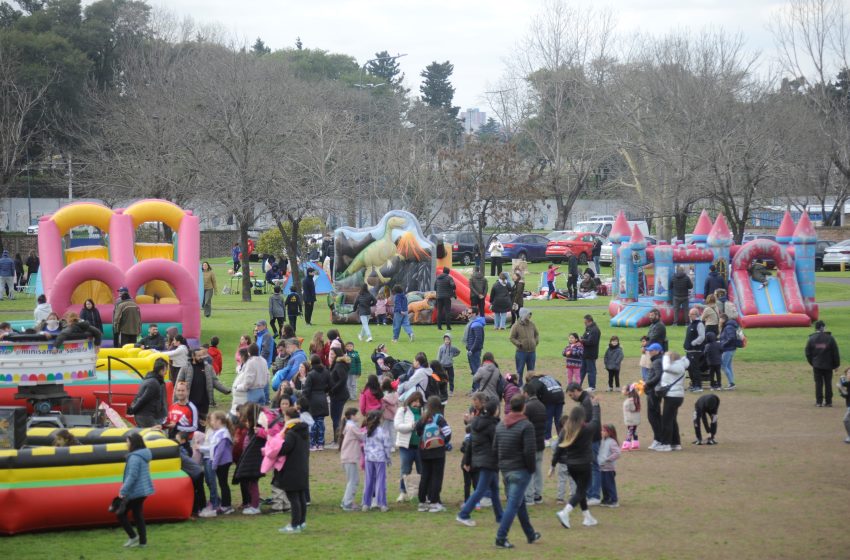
x=788 y=300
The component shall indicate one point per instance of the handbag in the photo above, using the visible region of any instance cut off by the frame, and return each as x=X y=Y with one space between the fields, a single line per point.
x=411 y=484
x=662 y=390
x=118 y=505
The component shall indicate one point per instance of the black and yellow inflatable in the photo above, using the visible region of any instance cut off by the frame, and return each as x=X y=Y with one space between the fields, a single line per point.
x=54 y=487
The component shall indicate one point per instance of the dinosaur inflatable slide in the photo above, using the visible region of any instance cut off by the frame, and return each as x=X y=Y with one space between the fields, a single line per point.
x=787 y=299
x=393 y=252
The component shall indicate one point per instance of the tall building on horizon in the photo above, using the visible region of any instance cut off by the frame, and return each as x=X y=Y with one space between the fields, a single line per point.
x=472 y=120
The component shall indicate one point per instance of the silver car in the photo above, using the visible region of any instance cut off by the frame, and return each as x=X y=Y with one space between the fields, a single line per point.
x=605 y=254
x=835 y=255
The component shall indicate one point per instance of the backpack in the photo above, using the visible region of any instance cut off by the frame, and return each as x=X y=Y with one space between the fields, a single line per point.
x=400 y=368
x=432 y=435
x=433 y=386
x=500 y=387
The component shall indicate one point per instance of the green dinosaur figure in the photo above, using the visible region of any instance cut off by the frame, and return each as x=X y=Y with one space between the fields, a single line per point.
x=378 y=253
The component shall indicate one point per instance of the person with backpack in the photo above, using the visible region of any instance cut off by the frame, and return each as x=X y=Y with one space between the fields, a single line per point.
x=488 y=379
x=514 y=444
x=535 y=411
x=730 y=340
x=434 y=435
x=438 y=383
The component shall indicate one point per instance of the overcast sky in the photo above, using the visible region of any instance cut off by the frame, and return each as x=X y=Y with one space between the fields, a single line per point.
x=475 y=35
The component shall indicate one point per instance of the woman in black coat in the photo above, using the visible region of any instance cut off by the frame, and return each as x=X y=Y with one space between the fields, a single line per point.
x=316 y=390
x=91 y=315
x=500 y=301
x=339 y=386
x=480 y=456
x=247 y=472
x=294 y=477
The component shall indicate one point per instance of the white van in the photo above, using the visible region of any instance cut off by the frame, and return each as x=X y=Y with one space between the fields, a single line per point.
x=603 y=224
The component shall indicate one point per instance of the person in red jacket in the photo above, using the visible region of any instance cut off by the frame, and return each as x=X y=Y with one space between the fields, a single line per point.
x=215 y=354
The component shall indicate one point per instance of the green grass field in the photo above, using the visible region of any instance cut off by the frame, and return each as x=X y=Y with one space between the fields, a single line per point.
x=747 y=498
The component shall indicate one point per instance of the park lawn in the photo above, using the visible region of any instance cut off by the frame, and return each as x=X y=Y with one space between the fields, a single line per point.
x=761 y=493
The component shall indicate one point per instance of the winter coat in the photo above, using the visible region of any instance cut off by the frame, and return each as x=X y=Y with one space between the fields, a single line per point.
x=352 y=438
x=710 y=316
x=500 y=298
x=694 y=336
x=487 y=378
x=609 y=452
x=729 y=336
x=339 y=379
x=137 y=475
x=295 y=474
x=714 y=281
x=292 y=303
x=287 y=373
x=149 y=400
x=419 y=380
x=256 y=373
x=680 y=285
x=92 y=317
x=446 y=355
x=511 y=389
x=400 y=303
x=41 y=311
x=405 y=422
x=389 y=406
x=445 y=429
x=580 y=451
x=590 y=340
x=265 y=342
x=316 y=390
x=653 y=378
x=546 y=388
x=209 y=281
x=711 y=350
x=309 y=289
x=364 y=304
x=822 y=351
x=7 y=265
x=631 y=415
x=156 y=342
x=477 y=287
x=368 y=402
x=377 y=447
x=514 y=443
x=444 y=285
x=674 y=376
x=479 y=453
x=126 y=318
x=77 y=331
x=248 y=467
x=518 y=293
x=524 y=335
x=535 y=411
x=211 y=383
x=474 y=338
x=586 y=402
x=613 y=357
x=276 y=308
x=657 y=333
x=574 y=353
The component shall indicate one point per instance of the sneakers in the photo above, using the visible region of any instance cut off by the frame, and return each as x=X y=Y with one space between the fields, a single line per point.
x=534 y=538
x=411 y=337
x=697 y=442
x=423 y=507
x=560 y=501
x=677 y=447
x=360 y=337
x=486 y=502
x=207 y=512
x=627 y=446
x=437 y=508
x=332 y=445
x=564 y=517
x=538 y=500
x=593 y=502
x=289 y=529
x=369 y=339
x=401 y=497
x=348 y=508
x=226 y=510
x=529 y=503
x=132 y=542
x=654 y=445
x=696 y=390
x=364 y=508
x=661 y=447
x=467 y=522
x=635 y=445
x=730 y=387
x=503 y=543
x=610 y=504
x=251 y=511
x=847 y=439
x=589 y=520
x=711 y=441
x=384 y=509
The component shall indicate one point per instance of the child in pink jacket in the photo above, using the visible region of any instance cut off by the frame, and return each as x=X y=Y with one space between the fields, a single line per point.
x=389 y=405
x=350 y=453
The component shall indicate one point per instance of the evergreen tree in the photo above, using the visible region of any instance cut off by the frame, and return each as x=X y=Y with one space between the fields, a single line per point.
x=491 y=131
x=436 y=89
x=386 y=68
x=260 y=48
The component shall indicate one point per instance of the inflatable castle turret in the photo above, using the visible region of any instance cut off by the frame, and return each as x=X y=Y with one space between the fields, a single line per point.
x=700 y=237
x=805 y=243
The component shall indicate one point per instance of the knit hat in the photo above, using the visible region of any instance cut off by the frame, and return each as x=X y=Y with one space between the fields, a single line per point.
x=524 y=313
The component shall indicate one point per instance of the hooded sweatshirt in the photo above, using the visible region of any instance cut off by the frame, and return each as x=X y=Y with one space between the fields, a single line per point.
x=41 y=311
x=524 y=333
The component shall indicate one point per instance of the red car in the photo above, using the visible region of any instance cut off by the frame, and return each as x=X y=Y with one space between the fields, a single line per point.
x=573 y=242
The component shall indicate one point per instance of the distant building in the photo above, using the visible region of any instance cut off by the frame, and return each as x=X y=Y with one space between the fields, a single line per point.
x=472 y=120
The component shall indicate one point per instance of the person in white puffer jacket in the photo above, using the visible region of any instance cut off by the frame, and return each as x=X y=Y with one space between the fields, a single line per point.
x=675 y=370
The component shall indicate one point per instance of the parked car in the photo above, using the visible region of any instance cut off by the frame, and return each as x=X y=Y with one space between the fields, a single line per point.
x=819 y=253
x=527 y=246
x=606 y=253
x=577 y=243
x=603 y=225
x=32 y=230
x=464 y=246
x=835 y=255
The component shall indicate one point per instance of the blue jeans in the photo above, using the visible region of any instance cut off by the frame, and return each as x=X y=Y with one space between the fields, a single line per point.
x=209 y=476
x=499 y=320
x=553 y=416
x=364 y=327
x=409 y=457
x=726 y=365
x=595 y=480
x=523 y=360
x=401 y=320
x=488 y=483
x=474 y=363
x=609 y=487
x=317 y=432
x=588 y=369
x=515 y=484
x=596 y=264
x=257 y=396
x=644 y=373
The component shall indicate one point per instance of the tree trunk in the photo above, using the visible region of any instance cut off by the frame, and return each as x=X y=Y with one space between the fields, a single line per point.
x=563 y=212
x=294 y=270
x=246 y=261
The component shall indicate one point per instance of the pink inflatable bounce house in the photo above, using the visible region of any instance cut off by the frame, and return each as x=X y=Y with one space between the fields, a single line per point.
x=162 y=277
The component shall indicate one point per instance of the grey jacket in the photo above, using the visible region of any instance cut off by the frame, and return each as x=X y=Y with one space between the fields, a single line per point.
x=446 y=355
x=276 y=308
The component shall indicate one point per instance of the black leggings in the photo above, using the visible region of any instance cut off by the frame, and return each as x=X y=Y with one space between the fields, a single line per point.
x=298 y=501
x=431 y=483
x=669 y=423
x=277 y=325
x=582 y=475
x=613 y=378
x=223 y=484
x=308 y=312
x=450 y=372
x=135 y=506
x=714 y=375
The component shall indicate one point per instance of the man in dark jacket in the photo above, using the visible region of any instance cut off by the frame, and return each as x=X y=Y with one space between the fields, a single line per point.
x=126 y=319
x=694 y=345
x=596 y=252
x=653 y=403
x=309 y=289
x=154 y=340
x=293 y=307
x=535 y=411
x=148 y=407
x=474 y=341
x=316 y=389
x=478 y=290
x=590 y=340
x=551 y=393
x=657 y=331
x=514 y=444
x=265 y=341
x=680 y=286
x=822 y=354
x=594 y=493
x=713 y=281
x=444 y=285
x=328 y=249
x=572 y=277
